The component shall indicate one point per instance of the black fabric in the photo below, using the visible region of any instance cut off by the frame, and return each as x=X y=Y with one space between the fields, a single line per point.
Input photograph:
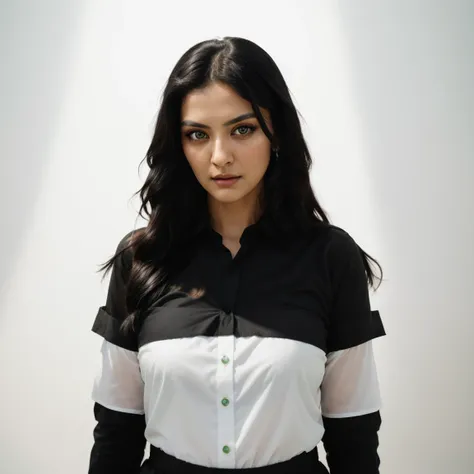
x=310 y=288
x=110 y=317
x=119 y=442
x=351 y=444
x=162 y=463
x=351 y=320
x=109 y=328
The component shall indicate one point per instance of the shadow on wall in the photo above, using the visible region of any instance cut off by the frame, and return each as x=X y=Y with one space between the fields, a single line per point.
x=412 y=71
x=37 y=56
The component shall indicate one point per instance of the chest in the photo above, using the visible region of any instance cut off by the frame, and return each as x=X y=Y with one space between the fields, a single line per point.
x=242 y=367
x=262 y=292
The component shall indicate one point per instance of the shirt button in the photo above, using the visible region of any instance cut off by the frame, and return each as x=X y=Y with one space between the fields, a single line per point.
x=225 y=401
x=226 y=449
x=225 y=360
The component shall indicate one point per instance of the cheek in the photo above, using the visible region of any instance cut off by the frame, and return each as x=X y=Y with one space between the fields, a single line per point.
x=195 y=160
x=256 y=160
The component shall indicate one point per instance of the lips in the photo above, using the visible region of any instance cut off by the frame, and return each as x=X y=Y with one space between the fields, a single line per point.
x=226 y=177
x=226 y=181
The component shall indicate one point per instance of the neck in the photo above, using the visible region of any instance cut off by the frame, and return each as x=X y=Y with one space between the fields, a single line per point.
x=231 y=219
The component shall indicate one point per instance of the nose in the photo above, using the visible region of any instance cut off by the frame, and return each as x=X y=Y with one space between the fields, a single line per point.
x=221 y=154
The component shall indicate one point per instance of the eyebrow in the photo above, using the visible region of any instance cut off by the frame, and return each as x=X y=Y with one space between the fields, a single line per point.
x=190 y=123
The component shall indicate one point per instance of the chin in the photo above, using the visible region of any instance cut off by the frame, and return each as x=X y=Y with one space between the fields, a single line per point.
x=226 y=196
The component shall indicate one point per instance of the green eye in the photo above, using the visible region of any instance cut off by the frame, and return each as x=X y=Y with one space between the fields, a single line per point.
x=245 y=130
x=197 y=135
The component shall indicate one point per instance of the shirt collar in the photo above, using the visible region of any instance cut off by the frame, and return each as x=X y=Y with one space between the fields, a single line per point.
x=264 y=229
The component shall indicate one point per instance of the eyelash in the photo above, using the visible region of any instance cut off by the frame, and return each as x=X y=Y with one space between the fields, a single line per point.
x=251 y=129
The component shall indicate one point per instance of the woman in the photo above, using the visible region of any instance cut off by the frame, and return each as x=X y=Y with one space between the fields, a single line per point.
x=237 y=328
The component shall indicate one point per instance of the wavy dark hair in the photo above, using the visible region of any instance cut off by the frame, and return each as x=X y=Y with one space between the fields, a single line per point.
x=175 y=217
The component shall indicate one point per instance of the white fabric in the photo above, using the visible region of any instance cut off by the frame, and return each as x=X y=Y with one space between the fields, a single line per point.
x=118 y=384
x=274 y=387
x=350 y=386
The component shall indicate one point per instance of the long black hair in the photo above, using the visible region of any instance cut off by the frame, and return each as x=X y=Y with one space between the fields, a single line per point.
x=175 y=216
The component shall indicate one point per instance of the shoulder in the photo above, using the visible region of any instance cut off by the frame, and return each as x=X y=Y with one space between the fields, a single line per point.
x=341 y=245
x=125 y=250
x=336 y=243
x=336 y=251
x=128 y=239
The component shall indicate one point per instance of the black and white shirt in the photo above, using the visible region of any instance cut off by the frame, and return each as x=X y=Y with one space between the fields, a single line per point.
x=249 y=362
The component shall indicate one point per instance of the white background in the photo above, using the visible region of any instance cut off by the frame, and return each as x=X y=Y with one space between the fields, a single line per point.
x=385 y=88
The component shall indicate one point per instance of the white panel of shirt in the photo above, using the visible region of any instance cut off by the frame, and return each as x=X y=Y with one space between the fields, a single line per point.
x=236 y=402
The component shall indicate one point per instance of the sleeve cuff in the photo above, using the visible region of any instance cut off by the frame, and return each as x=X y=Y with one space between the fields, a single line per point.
x=356 y=335
x=109 y=328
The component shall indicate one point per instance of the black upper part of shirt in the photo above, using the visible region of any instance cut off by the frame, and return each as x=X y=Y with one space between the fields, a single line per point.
x=311 y=288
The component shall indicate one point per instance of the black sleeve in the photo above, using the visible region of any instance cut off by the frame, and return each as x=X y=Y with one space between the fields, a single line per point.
x=110 y=317
x=119 y=440
x=351 y=442
x=351 y=322
x=119 y=443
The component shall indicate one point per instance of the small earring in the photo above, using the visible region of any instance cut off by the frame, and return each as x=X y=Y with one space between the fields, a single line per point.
x=276 y=153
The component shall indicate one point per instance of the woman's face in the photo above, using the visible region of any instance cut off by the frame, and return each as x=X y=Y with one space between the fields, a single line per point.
x=224 y=144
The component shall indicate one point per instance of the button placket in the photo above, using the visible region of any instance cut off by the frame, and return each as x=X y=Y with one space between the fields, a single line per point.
x=224 y=402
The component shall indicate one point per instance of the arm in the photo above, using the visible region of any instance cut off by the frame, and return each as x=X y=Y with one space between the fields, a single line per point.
x=119 y=441
x=350 y=396
x=350 y=404
x=351 y=444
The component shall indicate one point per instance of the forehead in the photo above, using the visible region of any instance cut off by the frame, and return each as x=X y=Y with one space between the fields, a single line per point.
x=215 y=101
